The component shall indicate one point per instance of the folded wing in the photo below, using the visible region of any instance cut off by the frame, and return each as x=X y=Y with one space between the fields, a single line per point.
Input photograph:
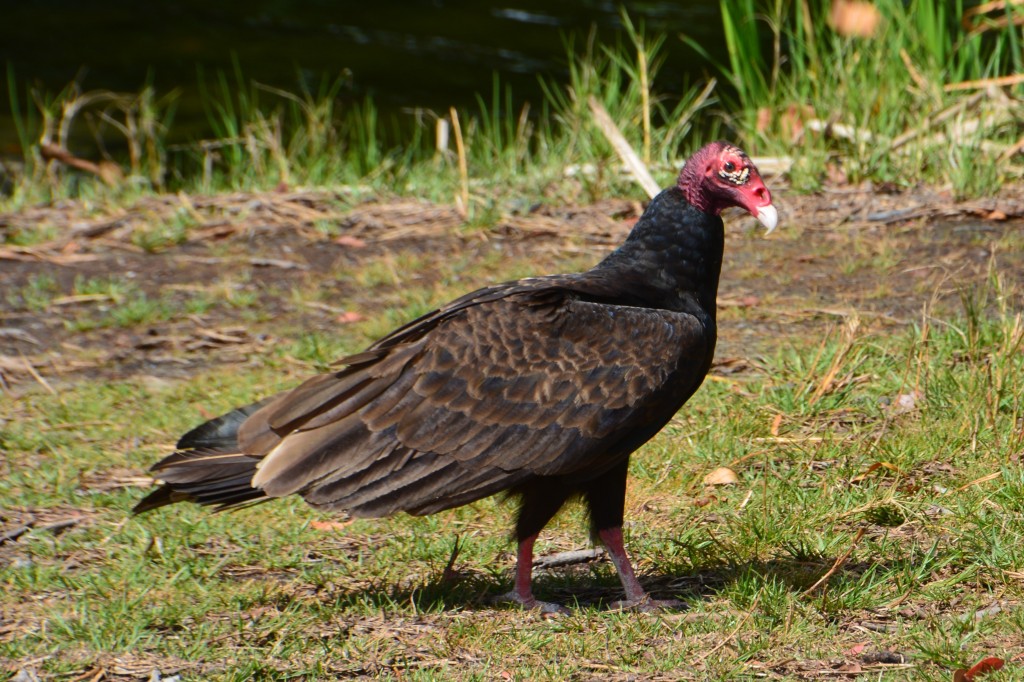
x=472 y=401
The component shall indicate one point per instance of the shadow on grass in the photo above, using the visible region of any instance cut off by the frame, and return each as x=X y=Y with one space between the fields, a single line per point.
x=596 y=585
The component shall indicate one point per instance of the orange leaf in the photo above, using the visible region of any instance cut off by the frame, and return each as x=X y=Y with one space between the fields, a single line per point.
x=349 y=316
x=350 y=241
x=982 y=667
x=856 y=649
x=875 y=467
x=328 y=525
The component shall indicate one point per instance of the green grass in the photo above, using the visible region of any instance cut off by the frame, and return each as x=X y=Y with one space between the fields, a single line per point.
x=906 y=128
x=36 y=295
x=883 y=87
x=898 y=446
x=895 y=445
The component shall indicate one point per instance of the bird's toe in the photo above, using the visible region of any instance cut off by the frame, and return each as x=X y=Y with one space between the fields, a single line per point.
x=531 y=604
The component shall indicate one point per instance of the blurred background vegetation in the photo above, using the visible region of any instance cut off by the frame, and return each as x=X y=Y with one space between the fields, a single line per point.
x=208 y=97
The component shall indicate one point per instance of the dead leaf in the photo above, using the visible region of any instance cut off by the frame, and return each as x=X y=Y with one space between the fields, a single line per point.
x=328 y=525
x=982 y=667
x=350 y=241
x=854 y=18
x=855 y=649
x=721 y=476
x=348 y=317
x=996 y=215
x=873 y=468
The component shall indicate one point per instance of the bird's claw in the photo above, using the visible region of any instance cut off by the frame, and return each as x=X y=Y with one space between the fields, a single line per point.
x=531 y=604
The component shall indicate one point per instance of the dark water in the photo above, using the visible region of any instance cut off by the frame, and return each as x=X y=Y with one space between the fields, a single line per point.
x=413 y=53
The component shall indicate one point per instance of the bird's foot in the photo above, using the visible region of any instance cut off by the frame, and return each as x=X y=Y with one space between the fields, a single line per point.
x=646 y=604
x=531 y=604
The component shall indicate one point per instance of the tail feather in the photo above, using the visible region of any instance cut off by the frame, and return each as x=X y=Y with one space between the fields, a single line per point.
x=221 y=432
x=206 y=478
x=207 y=469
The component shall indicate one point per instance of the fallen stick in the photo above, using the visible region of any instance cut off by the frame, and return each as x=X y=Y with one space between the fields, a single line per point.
x=962 y=132
x=14 y=533
x=1012 y=150
x=930 y=123
x=579 y=556
x=982 y=613
x=462 y=199
x=839 y=130
x=623 y=149
x=998 y=82
x=108 y=171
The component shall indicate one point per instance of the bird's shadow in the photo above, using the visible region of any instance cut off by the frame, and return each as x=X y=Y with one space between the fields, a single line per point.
x=593 y=585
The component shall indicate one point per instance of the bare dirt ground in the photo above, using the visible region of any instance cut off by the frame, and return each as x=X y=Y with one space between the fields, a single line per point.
x=881 y=256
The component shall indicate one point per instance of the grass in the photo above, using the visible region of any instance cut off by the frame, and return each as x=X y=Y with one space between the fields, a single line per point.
x=876 y=108
x=895 y=447
x=881 y=440
x=892 y=91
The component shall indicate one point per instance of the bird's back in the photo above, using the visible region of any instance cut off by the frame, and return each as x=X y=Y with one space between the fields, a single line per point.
x=558 y=376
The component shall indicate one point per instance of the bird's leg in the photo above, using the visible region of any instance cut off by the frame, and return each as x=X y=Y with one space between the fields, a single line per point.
x=636 y=597
x=611 y=538
x=523 y=590
x=606 y=498
x=539 y=502
x=522 y=593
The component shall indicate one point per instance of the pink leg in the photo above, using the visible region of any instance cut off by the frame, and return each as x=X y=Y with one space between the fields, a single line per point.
x=612 y=540
x=524 y=571
x=522 y=593
x=636 y=596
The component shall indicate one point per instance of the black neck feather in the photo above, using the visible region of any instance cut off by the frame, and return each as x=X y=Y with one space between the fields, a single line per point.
x=673 y=256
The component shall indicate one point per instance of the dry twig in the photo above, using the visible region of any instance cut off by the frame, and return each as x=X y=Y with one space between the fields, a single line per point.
x=839 y=562
x=998 y=82
x=622 y=147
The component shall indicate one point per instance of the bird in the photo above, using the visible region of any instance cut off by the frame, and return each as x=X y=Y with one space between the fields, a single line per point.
x=539 y=388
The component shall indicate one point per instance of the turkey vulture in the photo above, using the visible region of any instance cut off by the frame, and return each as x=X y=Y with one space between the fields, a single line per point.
x=541 y=387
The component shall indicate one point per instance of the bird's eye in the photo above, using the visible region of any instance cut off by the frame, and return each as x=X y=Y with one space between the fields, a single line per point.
x=729 y=166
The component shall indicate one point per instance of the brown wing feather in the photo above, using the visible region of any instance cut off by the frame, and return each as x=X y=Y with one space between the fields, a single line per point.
x=474 y=398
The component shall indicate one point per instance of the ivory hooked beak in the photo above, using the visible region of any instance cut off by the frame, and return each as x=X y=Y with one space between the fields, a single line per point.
x=768 y=216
